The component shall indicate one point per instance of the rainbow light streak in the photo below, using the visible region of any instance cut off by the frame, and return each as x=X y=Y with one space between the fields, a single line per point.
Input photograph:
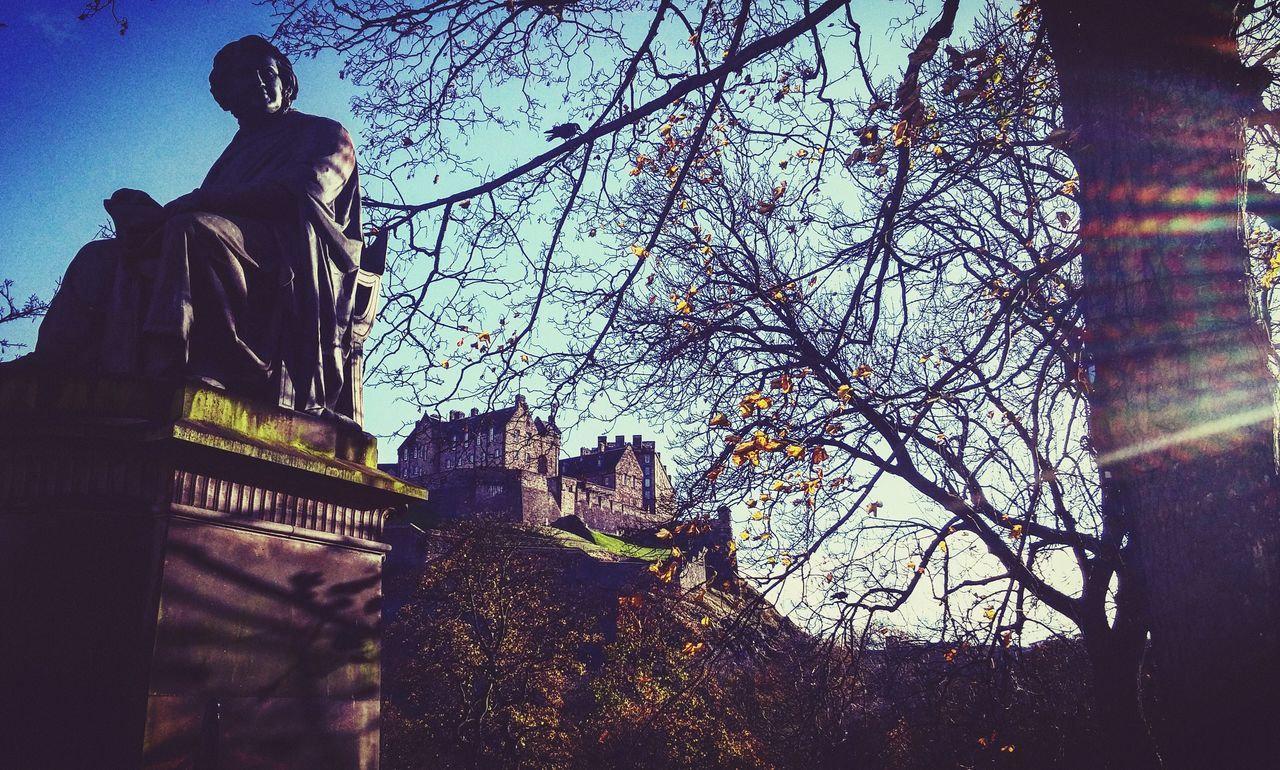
x=1194 y=433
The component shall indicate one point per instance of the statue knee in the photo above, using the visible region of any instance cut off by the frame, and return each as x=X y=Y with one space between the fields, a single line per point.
x=93 y=269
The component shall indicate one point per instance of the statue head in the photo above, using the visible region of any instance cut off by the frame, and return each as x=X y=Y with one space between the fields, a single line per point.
x=252 y=77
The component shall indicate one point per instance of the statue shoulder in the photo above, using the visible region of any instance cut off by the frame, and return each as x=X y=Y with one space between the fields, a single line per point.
x=321 y=126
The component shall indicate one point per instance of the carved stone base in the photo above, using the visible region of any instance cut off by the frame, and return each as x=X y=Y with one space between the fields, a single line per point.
x=187 y=579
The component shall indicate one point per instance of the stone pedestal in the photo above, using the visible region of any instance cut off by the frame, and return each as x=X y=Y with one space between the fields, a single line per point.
x=187 y=579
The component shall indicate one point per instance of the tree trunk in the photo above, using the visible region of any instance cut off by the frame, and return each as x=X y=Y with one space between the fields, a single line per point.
x=1115 y=666
x=1182 y=399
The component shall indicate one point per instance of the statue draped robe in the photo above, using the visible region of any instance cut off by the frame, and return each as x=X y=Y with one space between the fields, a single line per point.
x=253 y=289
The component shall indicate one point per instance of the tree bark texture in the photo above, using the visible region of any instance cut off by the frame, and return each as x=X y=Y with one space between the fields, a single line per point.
x=1182 y=401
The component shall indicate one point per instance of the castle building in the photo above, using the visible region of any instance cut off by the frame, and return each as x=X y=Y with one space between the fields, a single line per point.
x=504 y=465
x=599 y=464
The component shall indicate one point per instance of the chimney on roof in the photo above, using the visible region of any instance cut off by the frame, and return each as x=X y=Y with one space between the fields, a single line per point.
x=620 y=440
x=474 y=411
x=601 y=443
x=637 y=441
x=456 y=414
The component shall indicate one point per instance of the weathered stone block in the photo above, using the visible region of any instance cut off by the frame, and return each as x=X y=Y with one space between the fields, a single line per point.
x=188 y=579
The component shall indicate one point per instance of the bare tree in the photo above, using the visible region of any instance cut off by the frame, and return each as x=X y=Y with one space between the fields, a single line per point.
x=1004 y=273
x=12 y=309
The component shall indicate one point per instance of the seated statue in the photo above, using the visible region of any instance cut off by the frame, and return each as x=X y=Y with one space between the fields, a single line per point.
x=249 y=282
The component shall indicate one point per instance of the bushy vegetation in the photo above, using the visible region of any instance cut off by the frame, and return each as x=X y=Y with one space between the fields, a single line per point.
x=516 y=652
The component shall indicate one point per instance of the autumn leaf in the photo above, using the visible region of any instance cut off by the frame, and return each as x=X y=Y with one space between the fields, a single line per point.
x=639 y=251
x=819 y=454
x=901 y=133
x=719 y=420
x=663 y=534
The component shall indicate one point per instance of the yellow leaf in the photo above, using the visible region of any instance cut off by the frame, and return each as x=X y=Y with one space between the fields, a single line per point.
x=663 y=534
x=844 y=393
x=444 y=364
x=793 y=450
x=719 y=420
x=524 y=358
x=901 y=133
x=640 y=251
